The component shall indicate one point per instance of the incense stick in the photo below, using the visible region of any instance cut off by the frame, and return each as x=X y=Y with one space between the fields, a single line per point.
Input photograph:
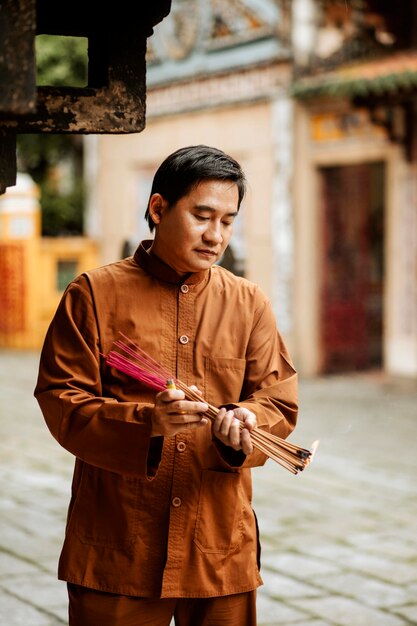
x=132 y=360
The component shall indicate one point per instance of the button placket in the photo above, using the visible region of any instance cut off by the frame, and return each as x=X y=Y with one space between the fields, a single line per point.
x=184 y=368
x=180 y=498
x=184 y=289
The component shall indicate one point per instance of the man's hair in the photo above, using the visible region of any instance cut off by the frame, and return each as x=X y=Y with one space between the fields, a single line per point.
x=187 y=167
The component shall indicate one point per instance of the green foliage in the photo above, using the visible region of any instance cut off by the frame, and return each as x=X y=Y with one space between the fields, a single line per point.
x=62 y=214
x=61 y=61
x=37 y=154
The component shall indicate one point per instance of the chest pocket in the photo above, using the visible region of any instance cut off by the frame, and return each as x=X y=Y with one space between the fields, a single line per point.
x=223 y=379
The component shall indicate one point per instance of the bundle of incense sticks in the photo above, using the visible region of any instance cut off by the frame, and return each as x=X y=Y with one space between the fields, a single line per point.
x=130 y=359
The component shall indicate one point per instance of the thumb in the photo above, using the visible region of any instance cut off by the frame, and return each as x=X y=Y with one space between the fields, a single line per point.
x=196 y=389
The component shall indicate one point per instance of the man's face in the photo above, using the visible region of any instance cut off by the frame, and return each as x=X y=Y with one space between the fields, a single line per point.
x=192 y=234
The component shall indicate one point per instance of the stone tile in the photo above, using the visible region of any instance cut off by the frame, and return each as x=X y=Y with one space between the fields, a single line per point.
x=49 y=564
x=376 y=565
x=273 y=613
x=11 y=566
x=14 y=612
x=369 y=591
x=281 y=587
x=386 y=569
x=409 y=612
x=298 y=566
x=412 y=590
x=345 y=612
x=398 y=546
x=312 y=622
x=42 y=591
x=60 y=612
x=331 y=551
x=30 y=547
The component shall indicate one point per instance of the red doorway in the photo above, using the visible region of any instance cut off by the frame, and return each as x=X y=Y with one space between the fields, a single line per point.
x=352 y=269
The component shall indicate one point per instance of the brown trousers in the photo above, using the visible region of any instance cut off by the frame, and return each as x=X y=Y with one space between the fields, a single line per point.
x=88 y=607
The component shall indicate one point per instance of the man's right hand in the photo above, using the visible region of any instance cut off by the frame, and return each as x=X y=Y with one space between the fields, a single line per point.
x=173 y=414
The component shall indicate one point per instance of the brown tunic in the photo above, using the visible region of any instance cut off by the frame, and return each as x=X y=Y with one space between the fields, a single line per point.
x=172 y=516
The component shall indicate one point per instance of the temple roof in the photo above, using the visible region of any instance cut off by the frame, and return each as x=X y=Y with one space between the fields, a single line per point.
x=202 y=37
x=385 y=75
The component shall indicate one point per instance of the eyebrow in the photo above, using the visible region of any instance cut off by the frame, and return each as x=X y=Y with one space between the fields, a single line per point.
x=203 y=207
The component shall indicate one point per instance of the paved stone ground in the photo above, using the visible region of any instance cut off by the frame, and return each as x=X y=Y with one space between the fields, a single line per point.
x=339 y=541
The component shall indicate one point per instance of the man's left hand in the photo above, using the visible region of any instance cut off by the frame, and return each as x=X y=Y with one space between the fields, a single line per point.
x=228 y=428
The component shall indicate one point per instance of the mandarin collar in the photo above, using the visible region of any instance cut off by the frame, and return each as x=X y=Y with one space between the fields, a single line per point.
x=157 y=268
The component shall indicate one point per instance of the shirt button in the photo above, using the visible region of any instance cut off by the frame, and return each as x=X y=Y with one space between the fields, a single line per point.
x=176 y=502
x=184 y=288
x=181 y=446
x=184 y=339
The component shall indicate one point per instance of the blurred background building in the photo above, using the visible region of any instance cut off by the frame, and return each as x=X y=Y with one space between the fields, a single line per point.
x=354 y=193
x=316 y=99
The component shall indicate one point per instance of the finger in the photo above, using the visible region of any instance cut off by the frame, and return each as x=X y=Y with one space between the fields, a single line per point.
x=234 y=433
x=218 y=420
x=203 y=422
x=194 y=425
x=246 y=442
x=226 y=423
x=182 y=422
x=188 y=407
x=250 y=422
x=196 y=389
x=168 y=395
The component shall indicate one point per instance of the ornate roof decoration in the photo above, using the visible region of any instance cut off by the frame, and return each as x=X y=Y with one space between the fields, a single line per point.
x=388 y=75
x=202 y=37
x=235 y=22
x=358 y=30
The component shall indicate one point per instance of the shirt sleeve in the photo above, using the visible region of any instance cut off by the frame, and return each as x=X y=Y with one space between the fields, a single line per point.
x=101 y=431
x=270 y=387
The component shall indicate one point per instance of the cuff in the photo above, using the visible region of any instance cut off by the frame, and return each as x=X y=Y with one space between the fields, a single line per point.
x=233 y=458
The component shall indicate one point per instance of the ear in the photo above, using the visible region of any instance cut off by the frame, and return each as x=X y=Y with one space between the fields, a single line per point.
x=157 y=207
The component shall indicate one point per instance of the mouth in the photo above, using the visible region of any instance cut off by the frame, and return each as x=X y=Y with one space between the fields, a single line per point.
x=208 y=254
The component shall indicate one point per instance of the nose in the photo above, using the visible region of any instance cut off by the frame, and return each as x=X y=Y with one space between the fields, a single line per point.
x=213 y=233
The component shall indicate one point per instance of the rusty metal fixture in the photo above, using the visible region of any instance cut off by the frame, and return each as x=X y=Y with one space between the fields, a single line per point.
x=113 y=100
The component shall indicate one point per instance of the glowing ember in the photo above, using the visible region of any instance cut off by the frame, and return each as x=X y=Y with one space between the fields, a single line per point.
x=313 y=450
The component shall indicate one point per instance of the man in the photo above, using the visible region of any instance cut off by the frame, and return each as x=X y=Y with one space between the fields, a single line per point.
x=160 y=522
